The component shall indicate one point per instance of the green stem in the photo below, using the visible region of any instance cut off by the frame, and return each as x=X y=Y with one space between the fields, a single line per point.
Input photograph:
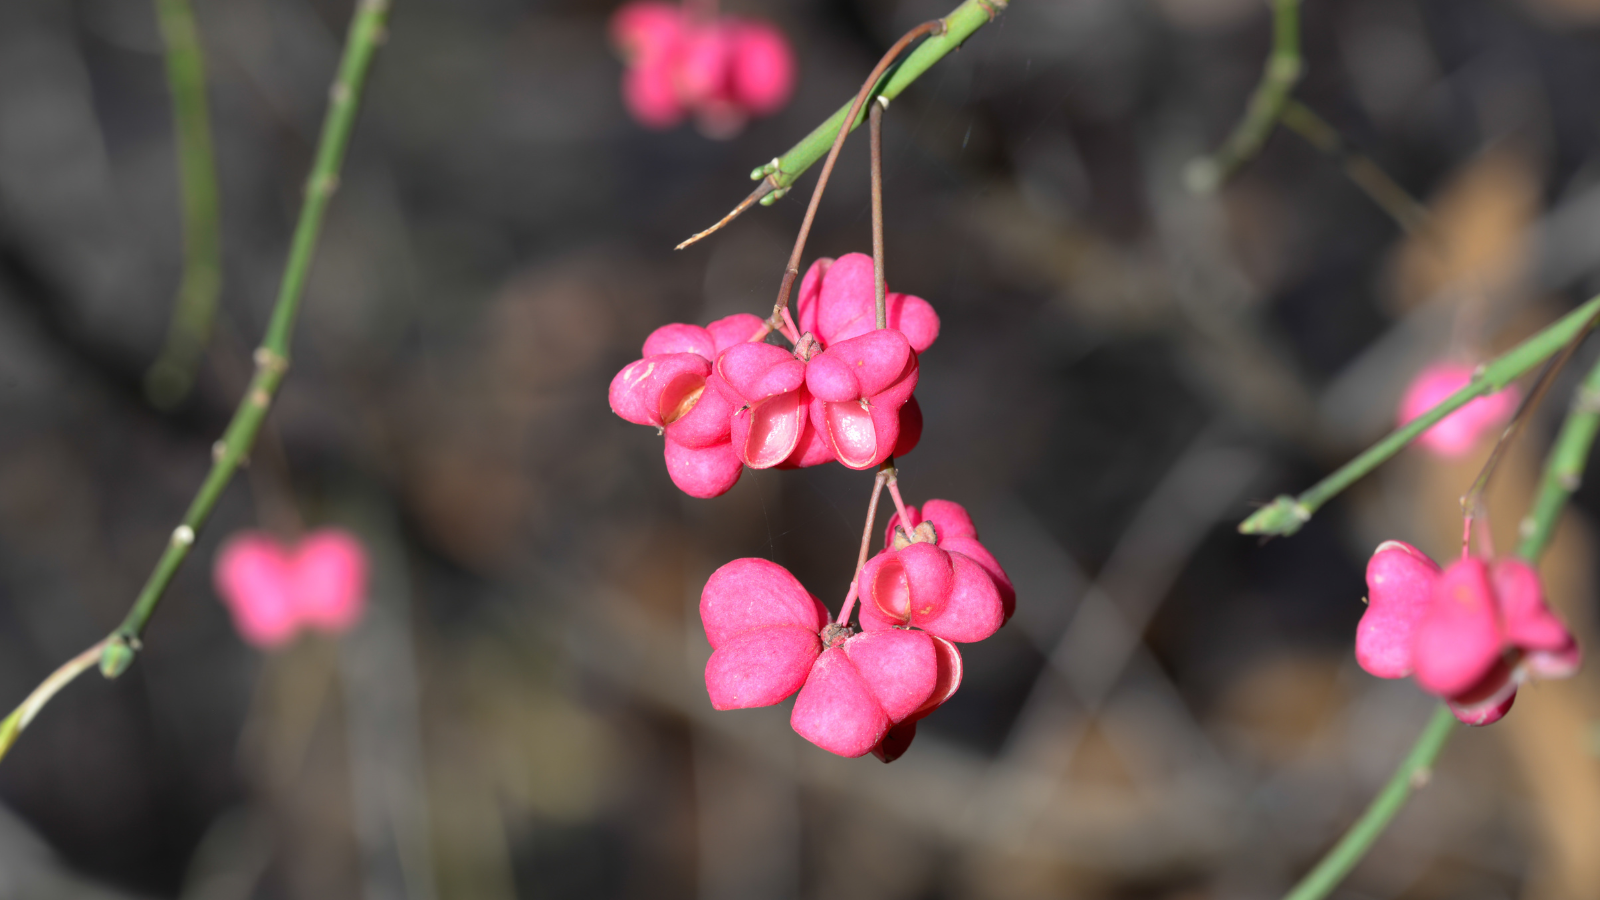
x=1286 y=514
x=272 y=357
x=13 y=724
x=1412 y=216
x=172 y=374
x=1563 y=469
x=777 y=176
x=1413 y=772
x=1278 y=78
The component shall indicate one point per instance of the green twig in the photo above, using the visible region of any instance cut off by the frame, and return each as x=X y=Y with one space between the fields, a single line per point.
x=1278 y=78
x=777 y=176
x=1411 y=215
x=13 y=724
x=172 y=374
x=1286 y=514
x=1413 y=772
x=272 y=357
x=116 y=652
x=1563 y=470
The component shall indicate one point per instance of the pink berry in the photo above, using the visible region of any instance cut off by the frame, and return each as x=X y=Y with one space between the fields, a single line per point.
x=858 y=388
x=764 y=629
x=898 y=738
x=1471 y=632
x=1399 y=590
x=837 y=302
x=944 y=593
x=272 y=591
x=762 y=67
x=669 y=389
x=766 y=386
x=856 y=690
x=1455 y=434
x=646 y=29
x=953 y=530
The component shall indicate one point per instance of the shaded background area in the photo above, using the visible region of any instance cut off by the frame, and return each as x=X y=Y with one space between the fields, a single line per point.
x=1123 y=370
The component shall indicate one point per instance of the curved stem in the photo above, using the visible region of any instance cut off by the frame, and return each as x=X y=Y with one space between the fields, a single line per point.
x=272 y=357
x=866 y=542
x=1412 y=773
x=1406 y=210
x=1563 y=470
x=1278 y=78
x=172 y=375
x=792 y=270
x=13 y=724
x=777 y=176
x=1285 y=515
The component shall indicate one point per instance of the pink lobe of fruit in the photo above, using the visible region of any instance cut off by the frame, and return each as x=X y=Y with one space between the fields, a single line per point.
x=837 y=302
x=973 y=610
x=702 y=472
x=1551 y=650
x=330 y=580
x=768 y=432
x=899 y=666
x=735 y=329
x=1486 y=713
x=649 y=94
x=757 y=370
x=899 y=736
x=1459 y=640
x=645 y=29
x=253 y=575
x=1456 y=434
x=700 y=416
x=1399 y=593
x=910 y=428
x=762 y=67
x=813 y=449
x=761 y=666
x=679 y=337
x=702 y=71
x=836 y=709
x=639 y=392
x=978 y=553
x=755 y=593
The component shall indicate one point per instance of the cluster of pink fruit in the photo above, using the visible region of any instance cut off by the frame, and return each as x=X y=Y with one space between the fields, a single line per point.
x=724 y=399
x=721 y=69
x=1473 y=632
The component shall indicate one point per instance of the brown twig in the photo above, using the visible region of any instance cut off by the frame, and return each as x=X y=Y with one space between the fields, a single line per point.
x=792 y=270
x=880 y=285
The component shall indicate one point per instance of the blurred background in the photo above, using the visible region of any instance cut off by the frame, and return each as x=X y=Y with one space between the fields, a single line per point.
x=1124 y=370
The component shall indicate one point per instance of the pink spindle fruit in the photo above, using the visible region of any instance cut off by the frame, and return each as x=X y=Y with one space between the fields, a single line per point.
x=1456 y=434
x=762 y=66
x=273 y=591
x=858 y=387
x=837 y=302
x=1470 y=633
x=953 y=530
x=945 y=593
x=668 y=389
x=764 y=629
x=856 y=690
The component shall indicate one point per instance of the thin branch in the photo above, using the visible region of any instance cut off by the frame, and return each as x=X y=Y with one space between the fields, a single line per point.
x=880 y=284
x=1413 y=772
x=272 y=357
x=1563 y=470
x=1285 y=515
x=13 y=724
x=792 y=270
x=1412 y=217
x=1278 y=78
x=172 y=375
x=782 y=172
x=866 y=543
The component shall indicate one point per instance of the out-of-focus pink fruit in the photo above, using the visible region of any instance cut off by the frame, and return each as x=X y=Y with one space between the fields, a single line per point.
x=1456 y=434
x=273 y=590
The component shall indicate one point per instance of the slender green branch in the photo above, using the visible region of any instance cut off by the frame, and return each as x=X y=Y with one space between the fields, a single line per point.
x=13 y=724
x=1411 y=215
x=272 y=357
x=1413 y=772
x=1278 y=78
x=172 y=374
x=777 y=176
x=1286 y=514
x=1563 y=470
